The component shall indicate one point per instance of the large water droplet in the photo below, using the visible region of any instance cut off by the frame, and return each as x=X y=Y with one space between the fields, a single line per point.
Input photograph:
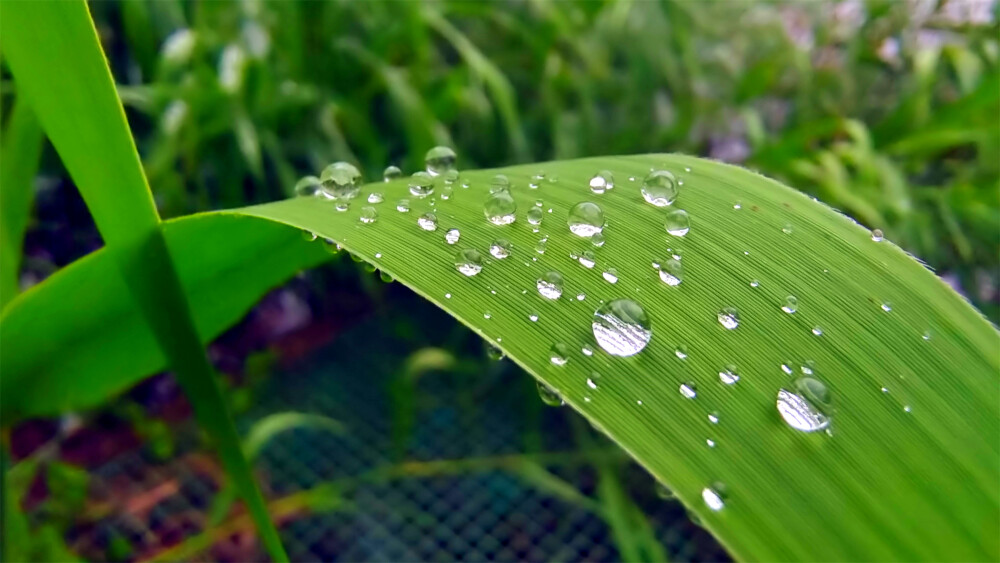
x=550 y=285
x=341 y=180
x=659 y=188
x=586 y=219
x=308 y=186
x=602 y=181
x=877 y=235
x=368 y=215
x=729 y=375
x=535 y=215
x=559 y=354
x=791 y=304
x=688 y=390
x=391 y=173
x=452 y=236
x=500 y=183
x=500 y=208
x=621 y=327
x=729 y=318
x=469 y=261
x=428 y=221
x=713 y=498
x=806 y=408
x=670 y=272
x=421 y=184
x=439 y=160
x=500 y=248
x=678 y=223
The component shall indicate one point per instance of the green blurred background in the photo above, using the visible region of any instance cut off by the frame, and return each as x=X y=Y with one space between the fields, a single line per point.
x=888 y=111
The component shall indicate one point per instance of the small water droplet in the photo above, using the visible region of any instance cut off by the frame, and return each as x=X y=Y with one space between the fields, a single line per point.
x=308 y=186
x=907 y=408
x=446 y=192
x=581 y=296
x=375 y=197
x=533 y=317
x=447 y=296
x=729 y=375
x=452 y=236
x=587 y=259
x=368 y=215
x=586 y=219
x=428 y=221
x=713 y=498
x=342 y=206
x=710 y=442
x=663 y=492
x=602 y=181
x=791 y=304
x=610 y=275
x=713 y=417
x=559 y=354
x=450 y=177
x=493 y=352
x=593 y=380
x=587 y=350
x=340 y=180
x=500 y=208
x=807 y=407
x=678 y=223
x=737 y=205
x=308 y=236
x=550 y=285
x=927 y=335
x=597 y=240
x=754 y=283
x=421 y=184
x=391 y=173
x=681 y=352
x=385 y=277
x=818 y=331
x=787 y=368
x=670 y=271
x=500 y=183
x=887 y=307
x=403 y=206
x=787 y=229
x=487 y=315
x=688 y=390
x=806 y=368
x=621 y=327
x=500 y=248
x=659 y=188
x=729 y=318
x=540 y=247
x=469 y=261
x=549 y=395
x=535 y=215
x=439 y=160
x=877 y=235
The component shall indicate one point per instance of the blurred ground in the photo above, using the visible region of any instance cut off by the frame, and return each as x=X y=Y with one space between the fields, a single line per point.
x=889 y=111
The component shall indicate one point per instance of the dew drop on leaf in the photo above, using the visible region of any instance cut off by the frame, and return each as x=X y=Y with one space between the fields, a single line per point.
x=806 y=407
x=791 y=304
x=368 y=215
x=391 y=173
x=729 y=318
x=663 y=492
x=688 y=390
x=550 y=285
x=500 y=208
x=597 y=240
x=375 y=197
x=602 y=181
x=342 y=206
x=421 y=184
x=586 y=219
x=500 y=248
x=535 y=216
x=670 y=272
x=729 y=376
x=877 y=235
x=559 y=354
x=403 y=206
x=500 y=183
x=308 y=186
x=610 y=275
x=428 y=221
x=713 y=498
x=341 y=180
x=439 y=160
x=469 y=261
x=587 y=259
x=452 y=236
x=549 y=396
x=621 y=327
x=678 y=223
x=659 y=188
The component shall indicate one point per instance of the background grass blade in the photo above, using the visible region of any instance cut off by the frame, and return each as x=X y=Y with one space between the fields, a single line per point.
x=80 y=111
x=22 y=149
x=920 y=457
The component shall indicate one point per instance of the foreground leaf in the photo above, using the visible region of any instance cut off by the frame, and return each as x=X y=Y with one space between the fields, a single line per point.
x=910 y=472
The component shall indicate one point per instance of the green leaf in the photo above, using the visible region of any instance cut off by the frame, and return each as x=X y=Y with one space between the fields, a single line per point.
x=55 y=56
x=910 y=473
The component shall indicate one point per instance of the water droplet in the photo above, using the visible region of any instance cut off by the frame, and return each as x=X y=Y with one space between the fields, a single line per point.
x=536 y=180
x=559 y=354
x=787 y=368
x=713 y=498
x=439 y=160
x=469 y=261
x=729 y=318
x=927 y=335
x=586 y=219
x=550 y=285
x=710 y=442
x=818 y=331
x=452 y=236
x=385 y=277
x=310 y=236
x=729 y=375
x=877 y=235
x=597 y=240
x=787 y=229
x=421 y=184
x=342 y=206
x=500 y=208
x=754 y=283
x=549 y=395
x=308 y=186
x=593 y=380
x=341 y=180
x=581 y=296
x=403 y=206
x=447 y=296
x=688 y=390
x=391 y=173
x=713 y=417
x=807 y=406
x=500 y=248
x=659 y=188
x=587 y=259
x=493 y=352
x=533 y=317
x=887 y=307
x=907 y=408
x=681 y=352
x=678 y=223
x=791 y=304
x=737 y=205
x=670 y=271
x=375 y=197
x=368 y=215
x=663 y=492
x=332 y=247
x=487 y=315
x=602 y=181
x=535 y=216
x=446 y=192
x=428 y=221
x=540 y=247
x=621 y=327
x=500 y=183
x=610 y=275
x=587 y=350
